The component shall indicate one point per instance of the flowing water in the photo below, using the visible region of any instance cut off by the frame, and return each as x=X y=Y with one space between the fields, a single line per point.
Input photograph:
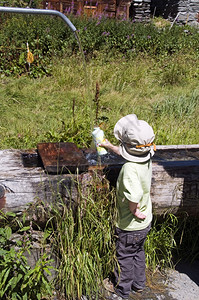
x=108 y=159
x=89 y=98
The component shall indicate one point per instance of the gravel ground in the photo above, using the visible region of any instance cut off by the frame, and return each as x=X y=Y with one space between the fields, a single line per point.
x=179 y=284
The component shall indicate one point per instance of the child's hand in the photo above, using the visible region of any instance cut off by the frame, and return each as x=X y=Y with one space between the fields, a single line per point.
x=135 y=209
x=106 y=144
x=139 y=214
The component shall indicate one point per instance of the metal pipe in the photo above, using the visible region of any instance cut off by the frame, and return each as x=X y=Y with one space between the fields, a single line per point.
x=2 y=191
x=38 y=12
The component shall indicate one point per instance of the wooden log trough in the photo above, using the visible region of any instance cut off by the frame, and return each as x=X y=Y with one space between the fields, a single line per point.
x=28 y=176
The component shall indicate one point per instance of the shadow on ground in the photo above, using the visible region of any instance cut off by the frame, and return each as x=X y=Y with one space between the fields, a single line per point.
x=190 y=269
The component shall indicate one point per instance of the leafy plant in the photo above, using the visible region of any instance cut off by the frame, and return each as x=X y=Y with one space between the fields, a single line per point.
x=49 y=37
x=17 y=279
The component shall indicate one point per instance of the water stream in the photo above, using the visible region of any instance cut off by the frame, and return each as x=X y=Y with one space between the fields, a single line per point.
x=89 y=100
x=108 y=159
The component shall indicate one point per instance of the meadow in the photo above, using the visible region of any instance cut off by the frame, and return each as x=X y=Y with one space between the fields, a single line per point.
x=62 y=107
x=145 y=69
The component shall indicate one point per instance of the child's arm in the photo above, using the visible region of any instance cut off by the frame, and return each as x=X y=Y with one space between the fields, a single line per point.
x=108 y=145
x=134 y=208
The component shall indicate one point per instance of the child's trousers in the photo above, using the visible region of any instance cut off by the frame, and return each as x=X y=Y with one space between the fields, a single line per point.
x=131 y=259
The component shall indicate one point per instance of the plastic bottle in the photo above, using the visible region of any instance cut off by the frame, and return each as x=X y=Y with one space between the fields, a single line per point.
x=98 y=137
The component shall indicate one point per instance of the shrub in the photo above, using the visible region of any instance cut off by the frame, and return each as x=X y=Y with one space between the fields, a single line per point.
x=18 y=280
x=49 y=37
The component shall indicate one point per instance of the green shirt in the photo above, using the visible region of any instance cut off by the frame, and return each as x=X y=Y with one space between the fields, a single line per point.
x=133 y=184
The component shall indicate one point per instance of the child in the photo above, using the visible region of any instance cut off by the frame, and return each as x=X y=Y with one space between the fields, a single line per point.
x=133 y=202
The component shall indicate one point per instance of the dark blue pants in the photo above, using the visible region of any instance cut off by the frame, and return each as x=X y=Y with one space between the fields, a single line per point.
x=131 y=259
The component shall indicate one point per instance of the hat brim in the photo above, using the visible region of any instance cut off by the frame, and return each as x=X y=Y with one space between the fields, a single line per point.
x=136 y=158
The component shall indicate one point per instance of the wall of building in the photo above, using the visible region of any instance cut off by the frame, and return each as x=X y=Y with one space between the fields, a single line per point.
x=187 y=11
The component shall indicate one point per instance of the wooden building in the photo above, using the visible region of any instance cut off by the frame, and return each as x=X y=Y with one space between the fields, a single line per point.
x=122 y=9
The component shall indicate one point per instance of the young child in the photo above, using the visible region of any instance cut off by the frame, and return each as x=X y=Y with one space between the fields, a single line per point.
x=133 y=202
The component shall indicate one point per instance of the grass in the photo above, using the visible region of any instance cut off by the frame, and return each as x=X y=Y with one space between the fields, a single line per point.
x=60 y=108
x=81 y=237
x=160 y=243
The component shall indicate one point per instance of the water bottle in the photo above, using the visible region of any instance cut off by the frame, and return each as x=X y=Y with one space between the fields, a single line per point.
x=98 y=137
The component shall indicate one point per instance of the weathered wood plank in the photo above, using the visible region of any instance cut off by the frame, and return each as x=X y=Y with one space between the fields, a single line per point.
x=23 y=186
x=175 y=183
x=175 y=186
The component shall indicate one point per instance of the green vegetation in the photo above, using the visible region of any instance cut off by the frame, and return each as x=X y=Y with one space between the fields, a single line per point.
x=83 y=239
x=145 y=69
x=50 y=36
x=18 y=280
x=61 y=107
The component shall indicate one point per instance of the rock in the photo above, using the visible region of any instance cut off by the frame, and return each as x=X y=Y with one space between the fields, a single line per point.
x=181 y=287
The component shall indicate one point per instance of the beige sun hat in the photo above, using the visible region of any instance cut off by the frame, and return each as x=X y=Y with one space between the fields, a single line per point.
x=136 y=137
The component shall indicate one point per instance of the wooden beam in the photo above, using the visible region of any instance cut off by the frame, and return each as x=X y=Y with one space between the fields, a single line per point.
x=175 y=183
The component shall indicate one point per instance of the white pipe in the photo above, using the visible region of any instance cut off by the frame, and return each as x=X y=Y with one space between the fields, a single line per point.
x=18 y=10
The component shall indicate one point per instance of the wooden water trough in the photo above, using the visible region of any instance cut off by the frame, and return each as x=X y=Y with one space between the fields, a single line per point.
x=52 y=169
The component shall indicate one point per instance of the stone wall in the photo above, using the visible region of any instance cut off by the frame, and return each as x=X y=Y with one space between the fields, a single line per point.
x=140 y=10
x=186 y=11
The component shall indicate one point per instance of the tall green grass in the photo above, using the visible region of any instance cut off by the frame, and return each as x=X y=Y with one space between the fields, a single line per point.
x=82 y=238
x=60 y=107
x=160 y=243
